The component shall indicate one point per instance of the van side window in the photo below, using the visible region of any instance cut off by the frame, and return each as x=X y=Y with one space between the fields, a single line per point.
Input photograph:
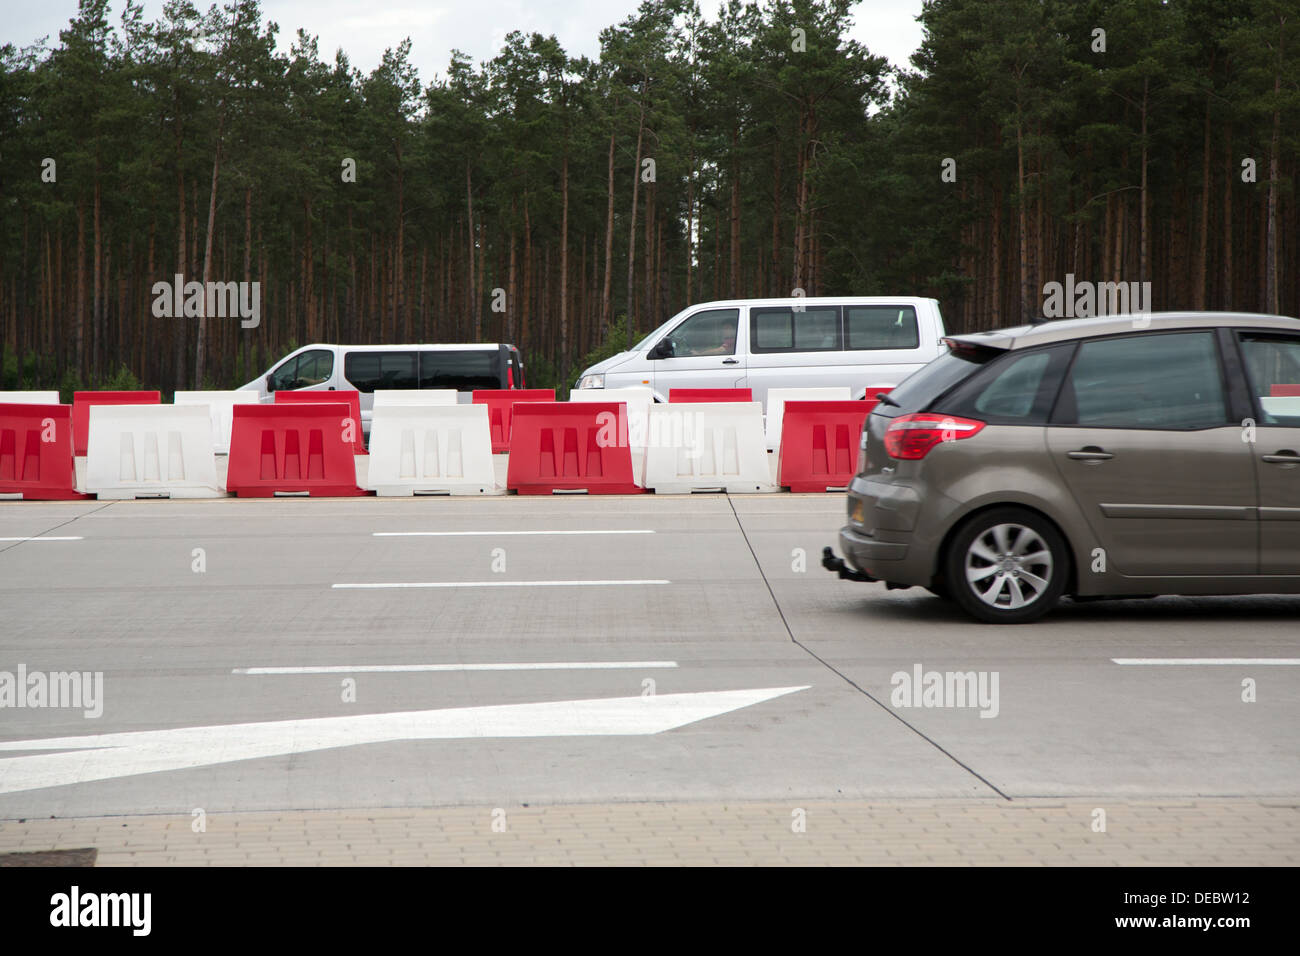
x=783 y=329
x=706 y=333
x=367 y=371
x=881 y=327
x=308 y=368
x=462 y=369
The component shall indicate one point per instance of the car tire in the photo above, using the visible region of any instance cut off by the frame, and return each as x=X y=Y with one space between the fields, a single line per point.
x=1007 y=566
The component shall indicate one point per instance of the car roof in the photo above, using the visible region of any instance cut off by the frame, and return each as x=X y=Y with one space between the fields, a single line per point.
x=814 y=300
x=448 y=347
x=1065 y=330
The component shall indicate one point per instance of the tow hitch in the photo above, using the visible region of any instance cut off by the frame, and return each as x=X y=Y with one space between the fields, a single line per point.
x=831 y=563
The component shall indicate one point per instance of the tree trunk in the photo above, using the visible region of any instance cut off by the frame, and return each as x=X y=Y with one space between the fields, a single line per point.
x=606 y=297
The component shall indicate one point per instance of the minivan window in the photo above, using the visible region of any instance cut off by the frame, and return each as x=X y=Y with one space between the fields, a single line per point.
x=1017 y=389
x=785 y=329
x=1154 y=381
x=368 y=371
x=461 y=369
x=304 y=369
x=712 y=332
x=1273 y=367
x=881 y=327
x=922 y=387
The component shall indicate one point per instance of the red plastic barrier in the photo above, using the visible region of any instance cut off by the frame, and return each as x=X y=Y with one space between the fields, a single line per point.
x=1278 y=391
x=501 y=403
x=36 y=452
x=819 y=444
x=350 y=396
x=569 y=447
x=870 y=398
x=81 y=402
x=710 y=395
x=291 y=448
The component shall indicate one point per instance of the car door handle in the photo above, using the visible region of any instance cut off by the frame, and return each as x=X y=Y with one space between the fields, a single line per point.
x=1284 y=457
x=1089 y=453
x=731 y=361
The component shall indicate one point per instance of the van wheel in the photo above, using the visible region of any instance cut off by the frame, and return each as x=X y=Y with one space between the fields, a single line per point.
x=1007 y=566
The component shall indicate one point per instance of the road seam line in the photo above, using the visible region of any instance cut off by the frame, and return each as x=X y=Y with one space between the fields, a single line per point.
x=844 y=677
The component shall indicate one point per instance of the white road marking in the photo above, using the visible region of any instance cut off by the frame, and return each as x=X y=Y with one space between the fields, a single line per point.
x=46 y=538
x=492 y=584
x=452 y=534
x=108 y=756
x=416 y=668
x=1212 y=661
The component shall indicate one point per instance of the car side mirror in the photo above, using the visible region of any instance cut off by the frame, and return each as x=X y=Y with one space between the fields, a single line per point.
x=663 y=350
x=270 y=383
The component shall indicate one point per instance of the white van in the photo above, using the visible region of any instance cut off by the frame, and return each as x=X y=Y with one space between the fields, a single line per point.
x=365 y=368
x=781 y=343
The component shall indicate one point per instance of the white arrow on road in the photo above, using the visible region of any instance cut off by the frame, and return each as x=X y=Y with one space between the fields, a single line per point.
x=106 y=756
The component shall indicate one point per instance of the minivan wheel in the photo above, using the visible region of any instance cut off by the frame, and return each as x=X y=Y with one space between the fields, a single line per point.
x=1007 y=566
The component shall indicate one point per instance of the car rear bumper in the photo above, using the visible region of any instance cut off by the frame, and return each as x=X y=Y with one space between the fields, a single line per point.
x=870 y=554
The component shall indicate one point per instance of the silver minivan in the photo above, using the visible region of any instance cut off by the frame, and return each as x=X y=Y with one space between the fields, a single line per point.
x=759 y=344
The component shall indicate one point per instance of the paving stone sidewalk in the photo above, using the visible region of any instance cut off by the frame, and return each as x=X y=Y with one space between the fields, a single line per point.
x=1031 y=833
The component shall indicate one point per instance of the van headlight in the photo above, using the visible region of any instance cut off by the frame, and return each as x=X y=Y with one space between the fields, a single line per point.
x=592 y=381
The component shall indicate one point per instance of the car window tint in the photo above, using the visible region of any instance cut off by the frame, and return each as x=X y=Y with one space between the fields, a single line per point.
x=1273 y=370
x=461 y=369
x=1164 y=381
x=1016 y=388
x=314 y=368
x=706 y=333
x=367 y=371
x=881 y=327
x=786 y=329
x=916 y=392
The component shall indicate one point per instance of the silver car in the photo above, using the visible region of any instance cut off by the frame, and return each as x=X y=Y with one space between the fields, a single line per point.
x=1106 y=457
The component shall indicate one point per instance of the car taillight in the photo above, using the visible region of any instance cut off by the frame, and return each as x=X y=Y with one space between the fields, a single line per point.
x=910 y=437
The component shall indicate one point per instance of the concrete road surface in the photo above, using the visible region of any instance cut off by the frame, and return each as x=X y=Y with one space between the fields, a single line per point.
x=272 y=655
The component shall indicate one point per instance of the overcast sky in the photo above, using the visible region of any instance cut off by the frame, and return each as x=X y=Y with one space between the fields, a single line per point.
x=364 y=28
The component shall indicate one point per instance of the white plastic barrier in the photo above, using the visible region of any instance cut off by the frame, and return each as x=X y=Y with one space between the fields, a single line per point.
x=30 y=398
x=151 y=451
x=431 y=449
x=414 y=396
x=1285 y=405
x=777 y=397
x=707 y=446
x=639 y=398
x=220 y=411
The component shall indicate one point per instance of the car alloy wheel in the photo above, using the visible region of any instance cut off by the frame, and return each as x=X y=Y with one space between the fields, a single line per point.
x=1007 y=565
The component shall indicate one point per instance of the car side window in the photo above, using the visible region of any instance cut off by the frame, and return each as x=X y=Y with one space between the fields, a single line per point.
x=1168 y=380
x=1273 y=370
x=367 y=371
x=1018 y=389
x=881 y=327
x=307 y=368
x=712 y=332
x=785 y=329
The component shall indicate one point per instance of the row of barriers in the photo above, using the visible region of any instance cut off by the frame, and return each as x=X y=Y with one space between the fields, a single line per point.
x=612 y=442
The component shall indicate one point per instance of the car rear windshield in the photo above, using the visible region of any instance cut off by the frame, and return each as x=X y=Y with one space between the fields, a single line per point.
x=923 y=386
